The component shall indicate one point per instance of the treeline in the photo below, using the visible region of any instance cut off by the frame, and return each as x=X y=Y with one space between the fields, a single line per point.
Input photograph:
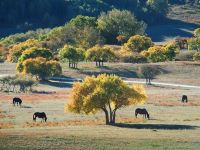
x=50 y=13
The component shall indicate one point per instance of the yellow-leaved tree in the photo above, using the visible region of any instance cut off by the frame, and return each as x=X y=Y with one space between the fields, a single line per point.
x=105 y=93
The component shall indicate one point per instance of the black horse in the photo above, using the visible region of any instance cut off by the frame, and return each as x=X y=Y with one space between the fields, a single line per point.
x=142 y=111
x=17 y=101
x=40 y=115
x=184 y=99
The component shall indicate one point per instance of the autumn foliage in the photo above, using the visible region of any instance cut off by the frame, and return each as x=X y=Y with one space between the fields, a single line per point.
x=105 y=93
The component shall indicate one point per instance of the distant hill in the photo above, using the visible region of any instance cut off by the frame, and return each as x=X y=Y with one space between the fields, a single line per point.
x=179 y=19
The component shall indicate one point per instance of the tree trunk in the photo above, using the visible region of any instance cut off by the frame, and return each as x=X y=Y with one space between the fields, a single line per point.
x=99 y=63
x=106 y=116
x=114 y=114
x=96 y=63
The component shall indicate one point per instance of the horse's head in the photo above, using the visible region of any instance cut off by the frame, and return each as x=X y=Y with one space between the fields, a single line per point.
x=45 y=119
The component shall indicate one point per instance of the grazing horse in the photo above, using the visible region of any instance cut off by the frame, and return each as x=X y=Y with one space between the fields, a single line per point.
x=142 y=111
x=40 y=115
x=184 y=99
x=17 y=101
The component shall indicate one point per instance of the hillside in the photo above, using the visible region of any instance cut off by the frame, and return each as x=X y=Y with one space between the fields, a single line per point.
x=182 y=20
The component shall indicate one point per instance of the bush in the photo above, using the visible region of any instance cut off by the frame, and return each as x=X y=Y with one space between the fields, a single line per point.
x=138 y=43
x=155 y=54
x=185 y=56
x=196 y=56
x=40 y=67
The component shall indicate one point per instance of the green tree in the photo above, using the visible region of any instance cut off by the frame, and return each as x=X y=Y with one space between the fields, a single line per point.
x=74 y=55
x=116 y=22
x=159 y=6
x=83 y=21
x=100 y=54
x=138 y=43
x=104 y=93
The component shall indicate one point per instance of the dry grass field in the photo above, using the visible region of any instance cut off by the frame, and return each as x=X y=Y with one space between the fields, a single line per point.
x=172 y=124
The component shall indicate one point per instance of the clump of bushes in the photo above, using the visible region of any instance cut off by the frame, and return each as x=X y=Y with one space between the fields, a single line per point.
x=185 y=56
x=17 y=83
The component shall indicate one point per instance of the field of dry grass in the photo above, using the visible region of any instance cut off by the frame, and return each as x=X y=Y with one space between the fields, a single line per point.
x=172 y=124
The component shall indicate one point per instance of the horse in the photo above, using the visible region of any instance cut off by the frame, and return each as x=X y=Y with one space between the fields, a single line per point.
x=17 y=101
x=142 y=111
x=40 y=115
x=184 y=99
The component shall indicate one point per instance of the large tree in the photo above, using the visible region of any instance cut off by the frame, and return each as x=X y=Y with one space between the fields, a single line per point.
x=104 y=93
x=116 y=22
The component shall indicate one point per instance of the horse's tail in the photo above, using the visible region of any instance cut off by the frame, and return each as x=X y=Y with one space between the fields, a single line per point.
x=34 y=117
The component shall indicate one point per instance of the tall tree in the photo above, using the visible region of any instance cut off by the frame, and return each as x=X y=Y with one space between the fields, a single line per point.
x=104 y=93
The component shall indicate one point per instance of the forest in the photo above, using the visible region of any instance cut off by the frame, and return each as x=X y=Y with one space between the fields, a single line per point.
x=49 y=13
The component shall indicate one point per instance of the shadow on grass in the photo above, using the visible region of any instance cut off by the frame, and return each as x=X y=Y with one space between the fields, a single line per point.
x=59 y=84
x=25 y=106
x=156 y=126
x=171 y=29
x=122 y=72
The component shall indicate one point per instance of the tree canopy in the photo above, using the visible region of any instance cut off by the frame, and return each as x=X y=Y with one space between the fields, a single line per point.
x=104 y=93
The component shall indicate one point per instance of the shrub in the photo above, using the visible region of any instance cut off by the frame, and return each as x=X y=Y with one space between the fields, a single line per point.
x=171 y=50
x=138 y=43
x=155 y=54
x=39 y=67
x=185 y=56
x=196 y=56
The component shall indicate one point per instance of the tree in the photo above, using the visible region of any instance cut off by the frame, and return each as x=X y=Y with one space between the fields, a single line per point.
x=149 y=72
x=160 y=7
x=39 y=67
x=74 y=55
x=100 y=54
x=16 y=51
x=155 y=54
x=116 y=22
x=138 y=43
x=104 y=93
x=83 y=21
x=34 y=52
x=194 y=44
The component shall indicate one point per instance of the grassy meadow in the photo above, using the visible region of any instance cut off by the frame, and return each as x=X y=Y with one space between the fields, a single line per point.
x=172 y=124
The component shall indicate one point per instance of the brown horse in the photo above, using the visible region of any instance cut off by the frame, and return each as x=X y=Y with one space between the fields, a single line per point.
x=142 y=111
x=40 y=115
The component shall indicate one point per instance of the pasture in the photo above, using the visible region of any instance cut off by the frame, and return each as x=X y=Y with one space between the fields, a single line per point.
x=172 y=124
